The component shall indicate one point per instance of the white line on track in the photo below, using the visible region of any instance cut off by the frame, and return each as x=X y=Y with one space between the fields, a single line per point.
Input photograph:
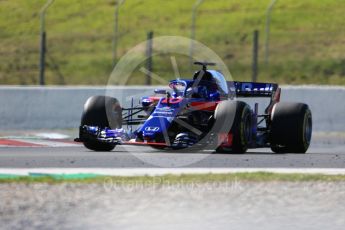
x=165 y=171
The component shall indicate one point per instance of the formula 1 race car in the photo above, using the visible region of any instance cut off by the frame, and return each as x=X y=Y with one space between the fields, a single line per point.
x=203 y=112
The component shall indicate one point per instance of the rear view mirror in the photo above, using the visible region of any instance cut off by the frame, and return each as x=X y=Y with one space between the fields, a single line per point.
x=160 y=91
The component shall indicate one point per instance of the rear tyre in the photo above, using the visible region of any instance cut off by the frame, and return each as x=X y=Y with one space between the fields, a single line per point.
x=101 y=111
x=240 y=113
x=291 y=128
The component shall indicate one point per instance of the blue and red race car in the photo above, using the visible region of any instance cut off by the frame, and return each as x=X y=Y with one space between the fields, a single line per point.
x=201 y=113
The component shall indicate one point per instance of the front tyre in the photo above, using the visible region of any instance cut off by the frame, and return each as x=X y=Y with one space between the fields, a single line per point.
x=291 y=128
x=101 y=111
x=98 y=146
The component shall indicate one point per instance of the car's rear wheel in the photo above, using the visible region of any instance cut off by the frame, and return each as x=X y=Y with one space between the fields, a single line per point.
x=101 y=111
x=291 y=128
x=239 y=112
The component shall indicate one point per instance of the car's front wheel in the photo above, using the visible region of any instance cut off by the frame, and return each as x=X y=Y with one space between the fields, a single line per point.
x=101 y=111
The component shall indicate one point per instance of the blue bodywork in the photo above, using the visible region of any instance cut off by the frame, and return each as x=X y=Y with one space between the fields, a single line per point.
x=155 y=125
x=160 y=119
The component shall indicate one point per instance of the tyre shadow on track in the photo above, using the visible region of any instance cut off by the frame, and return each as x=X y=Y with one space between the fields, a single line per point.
x=209 y=152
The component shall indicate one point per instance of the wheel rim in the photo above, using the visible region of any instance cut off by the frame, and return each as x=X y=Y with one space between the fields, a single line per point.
x=308 y=128
x=247 y=128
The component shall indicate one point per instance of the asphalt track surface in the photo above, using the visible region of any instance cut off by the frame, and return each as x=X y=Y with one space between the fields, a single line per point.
x=318 y=156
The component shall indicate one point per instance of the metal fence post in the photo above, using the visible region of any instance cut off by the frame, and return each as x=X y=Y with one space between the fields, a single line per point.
x=192 y=33
x=267 y=33
x=149 y=57
x=116 y=28
x=255 y=55
x=43 y=42
x=42 y=58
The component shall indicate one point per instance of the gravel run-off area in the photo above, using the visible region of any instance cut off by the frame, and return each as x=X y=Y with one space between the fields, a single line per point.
x=232 y=205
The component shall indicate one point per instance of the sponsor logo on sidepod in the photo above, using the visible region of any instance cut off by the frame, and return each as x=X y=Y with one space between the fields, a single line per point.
x=151 y=129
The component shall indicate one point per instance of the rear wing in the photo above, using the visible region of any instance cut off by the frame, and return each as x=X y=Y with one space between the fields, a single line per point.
x=251 y=89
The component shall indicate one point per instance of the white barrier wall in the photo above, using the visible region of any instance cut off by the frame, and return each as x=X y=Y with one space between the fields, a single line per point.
x=326 y=103
x=61 y=107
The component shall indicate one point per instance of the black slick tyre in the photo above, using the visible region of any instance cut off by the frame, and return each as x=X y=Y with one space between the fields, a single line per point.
x=240 y=114
x=291 y=128
x=101 y=111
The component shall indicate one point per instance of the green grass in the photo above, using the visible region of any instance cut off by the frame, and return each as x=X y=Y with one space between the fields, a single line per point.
x=307 y=38
x=174 y=179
